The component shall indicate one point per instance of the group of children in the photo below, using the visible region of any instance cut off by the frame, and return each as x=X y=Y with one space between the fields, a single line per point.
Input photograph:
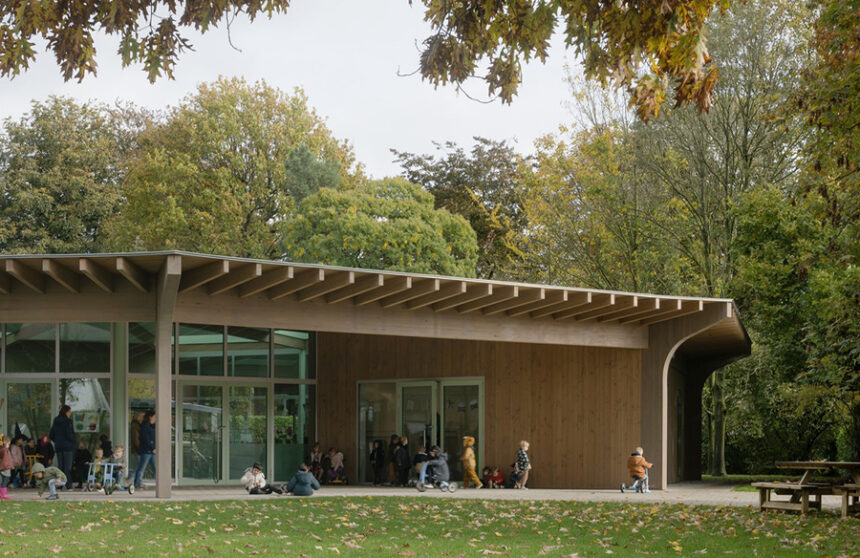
x=327 y=468
x=302 y=483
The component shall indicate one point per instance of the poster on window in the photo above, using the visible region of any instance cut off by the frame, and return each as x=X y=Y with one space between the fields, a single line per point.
x=85 y=421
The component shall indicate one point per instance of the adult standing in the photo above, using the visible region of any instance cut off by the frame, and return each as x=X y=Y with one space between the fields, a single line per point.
x=146 y=450
x=65 y=442
x=134 y=434
x=401 y=460
x=523 y=465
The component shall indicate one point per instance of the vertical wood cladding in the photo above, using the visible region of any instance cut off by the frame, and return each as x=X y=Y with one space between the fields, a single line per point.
x=579 y=407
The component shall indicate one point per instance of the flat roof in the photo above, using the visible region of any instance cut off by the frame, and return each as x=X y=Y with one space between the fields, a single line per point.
x=418 y=292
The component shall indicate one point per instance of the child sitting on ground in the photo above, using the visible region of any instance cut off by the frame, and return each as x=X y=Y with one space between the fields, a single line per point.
x=79 y=464
x=514 y=478
x=254 y=481
x=335 y=471
x=637 y=466
x=497 y=479
x=316 y=468
x=486 y=473
x=50 y=477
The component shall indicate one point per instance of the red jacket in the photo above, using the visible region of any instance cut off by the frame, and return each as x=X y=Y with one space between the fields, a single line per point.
x=5 y=458
x=636 y=464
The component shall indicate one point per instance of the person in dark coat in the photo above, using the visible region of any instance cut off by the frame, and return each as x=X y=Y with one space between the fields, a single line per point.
x=377 y=461
x=393 y=444
x=65 y=442
x=146 y=451
x=80 y=468
x=303 y=483
x=401 y=461
x=46 y=450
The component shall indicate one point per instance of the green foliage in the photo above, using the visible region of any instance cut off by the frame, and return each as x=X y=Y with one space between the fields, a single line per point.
x=385 y=224
x=643 y=46
x=148 y=31
x=60 y=171
x=304 y=174
x=217 y=174
x=483 y=186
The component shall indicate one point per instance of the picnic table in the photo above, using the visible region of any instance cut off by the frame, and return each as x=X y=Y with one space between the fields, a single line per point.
x=801 y=490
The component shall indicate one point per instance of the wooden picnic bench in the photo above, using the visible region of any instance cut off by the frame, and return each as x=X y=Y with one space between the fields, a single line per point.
x=800 y=493
x=801 y=490
x=852 y=492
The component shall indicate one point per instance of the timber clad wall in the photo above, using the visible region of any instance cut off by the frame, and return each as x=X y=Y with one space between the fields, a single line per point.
x=579 y=407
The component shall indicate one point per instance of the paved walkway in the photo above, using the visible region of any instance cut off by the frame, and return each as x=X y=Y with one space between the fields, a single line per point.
x=690 y=494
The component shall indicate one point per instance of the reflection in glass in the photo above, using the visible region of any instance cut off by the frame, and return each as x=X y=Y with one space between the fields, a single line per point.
x=31 y=347
x=293 y=352
x=460 y=406
x=247 y=428
x=201 y=350
x=201 y=432
x=377 y=420
x=89 y=399
x=85 y=347
x=418 y=416
x=29 y=409
x=247 y=352
x=141 y=398
x=141 y=348
x=295 y=429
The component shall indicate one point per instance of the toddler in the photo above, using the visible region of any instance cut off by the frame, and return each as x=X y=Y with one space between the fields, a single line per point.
x=638 y=468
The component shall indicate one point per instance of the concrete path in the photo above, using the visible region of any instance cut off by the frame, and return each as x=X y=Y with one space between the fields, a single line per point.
x=691 y=494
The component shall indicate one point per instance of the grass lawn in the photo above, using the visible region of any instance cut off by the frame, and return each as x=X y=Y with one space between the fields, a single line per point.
x=412 y=526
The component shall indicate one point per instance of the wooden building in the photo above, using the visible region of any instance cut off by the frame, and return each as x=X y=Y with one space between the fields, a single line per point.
x=256 y=360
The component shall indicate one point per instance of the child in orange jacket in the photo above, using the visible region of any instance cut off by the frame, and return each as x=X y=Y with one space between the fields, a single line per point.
x=638 y=468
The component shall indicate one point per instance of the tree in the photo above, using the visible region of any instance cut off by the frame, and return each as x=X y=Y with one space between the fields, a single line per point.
x=385 y=224
x=218 y=173
x=304 y=174
x=60 y=171
x=483 y=186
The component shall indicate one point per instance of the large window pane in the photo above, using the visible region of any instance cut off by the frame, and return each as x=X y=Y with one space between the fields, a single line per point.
x=141 y=348
x=377 y=420
x=89 y=399
x=141 y=398
x=248 y=352
x=247 y=428
x=85 y=347
x=202 y=415
x=201 y=350
x=31 y=347
x=29 y=408
x=293 y=352
x=295 y=427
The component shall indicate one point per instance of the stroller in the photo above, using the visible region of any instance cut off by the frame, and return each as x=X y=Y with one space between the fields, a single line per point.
x=435 y=473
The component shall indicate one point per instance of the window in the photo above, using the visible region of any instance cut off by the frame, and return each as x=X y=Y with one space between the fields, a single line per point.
x=31 y=347
x=293 y=352
x=201 y=350
x=248 y=352
x=85 y=347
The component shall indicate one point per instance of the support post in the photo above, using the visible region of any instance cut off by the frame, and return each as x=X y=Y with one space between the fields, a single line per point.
x=166 y=293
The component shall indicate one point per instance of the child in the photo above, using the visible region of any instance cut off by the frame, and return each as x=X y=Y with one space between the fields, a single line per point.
x=46 y=450
x=523 y=465
x=637 y=466
x=468 y=459
x=377 y=461
x=30 y=453
x=515 y=477
x=120 y=465
x=496 y=479
x=335 y=471
x=303 y=483
x=98 y=470
x=6 y=467
x=316 y=462
x=17 y=451
x=255 y=481
x=79 y=464
x=420 y=458
x=486 y=473
x=50 y=477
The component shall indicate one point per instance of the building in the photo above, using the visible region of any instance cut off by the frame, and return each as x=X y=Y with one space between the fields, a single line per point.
x=256 y=360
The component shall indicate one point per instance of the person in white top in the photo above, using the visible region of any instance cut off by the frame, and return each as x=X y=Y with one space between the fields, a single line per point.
x=254 y=481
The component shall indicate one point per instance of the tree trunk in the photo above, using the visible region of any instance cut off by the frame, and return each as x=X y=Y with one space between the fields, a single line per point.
x=717 y=449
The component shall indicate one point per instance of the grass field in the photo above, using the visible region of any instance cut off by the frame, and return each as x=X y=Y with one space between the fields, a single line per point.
x=413 y=526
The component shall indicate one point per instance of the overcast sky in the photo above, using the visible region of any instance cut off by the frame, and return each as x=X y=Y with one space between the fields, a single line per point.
x=346 y=55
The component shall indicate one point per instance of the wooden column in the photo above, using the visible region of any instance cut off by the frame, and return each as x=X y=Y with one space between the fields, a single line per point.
x=664 y=338
x=166 y=291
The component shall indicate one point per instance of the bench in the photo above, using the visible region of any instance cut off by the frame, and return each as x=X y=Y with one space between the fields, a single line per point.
x=847 y=491
x=800 y=493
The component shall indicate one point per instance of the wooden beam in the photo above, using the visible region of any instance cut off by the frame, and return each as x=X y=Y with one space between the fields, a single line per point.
x=133 y=274
x=166 y=293
x=522 y=299
x=551 y=298
x=644 y=306
x=574 y=300
x=333 y=282
x=474 y=291
x=623 y=303
x=67 y=278
x=447 y=291
x=363 y=285
x=393 y=285
x=235 y=278
x=419 y=288
x=98 y=275
x=27 y=275
x=687 y=307
x=500 y=294
x=204 y=274
x=301 y=281
x=599 y=304
x=5 y=287
x=267 y=280
x=666 y=307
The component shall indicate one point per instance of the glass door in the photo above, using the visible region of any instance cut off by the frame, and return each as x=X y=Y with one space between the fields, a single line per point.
x=30 y=407
x=202 y=419
x=377 y=420
x=418 y=415
x=462 y=410
x=247 y=430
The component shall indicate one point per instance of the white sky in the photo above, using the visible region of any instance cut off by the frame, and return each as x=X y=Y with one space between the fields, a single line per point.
x=345 y=54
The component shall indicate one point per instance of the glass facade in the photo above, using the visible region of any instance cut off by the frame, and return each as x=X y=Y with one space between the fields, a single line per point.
x=243 y=394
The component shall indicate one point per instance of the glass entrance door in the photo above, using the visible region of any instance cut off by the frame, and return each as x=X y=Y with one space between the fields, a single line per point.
x=202 y=418
x=462 y=415
x=418 y=413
